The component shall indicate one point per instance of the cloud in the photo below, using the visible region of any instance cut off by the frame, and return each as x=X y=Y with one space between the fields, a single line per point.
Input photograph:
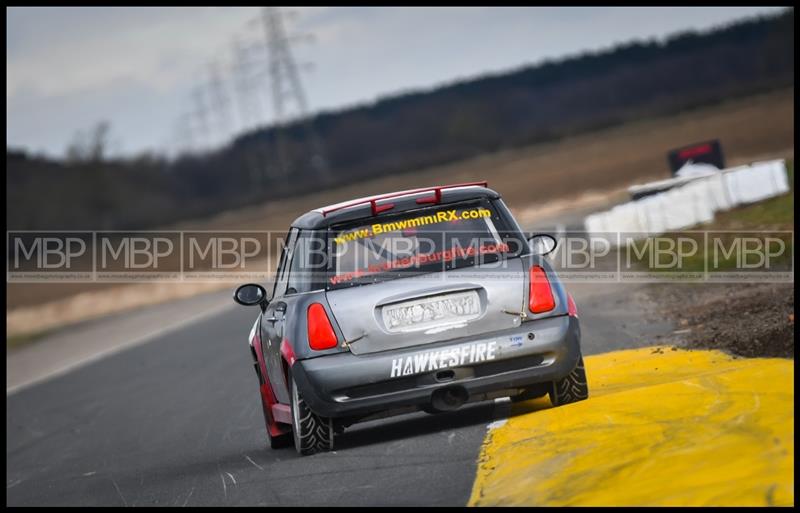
x=136 y=110
x=67 y=68
x=68 y=49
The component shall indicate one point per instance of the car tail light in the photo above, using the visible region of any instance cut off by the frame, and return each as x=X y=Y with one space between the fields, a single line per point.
x=540 y=297
x=320 y=332
x=572 y=308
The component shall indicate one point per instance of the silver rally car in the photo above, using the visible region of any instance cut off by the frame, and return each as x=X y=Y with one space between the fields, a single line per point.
x=420 y=299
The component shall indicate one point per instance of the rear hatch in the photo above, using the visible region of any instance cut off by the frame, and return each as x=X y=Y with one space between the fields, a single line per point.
x=426 y=275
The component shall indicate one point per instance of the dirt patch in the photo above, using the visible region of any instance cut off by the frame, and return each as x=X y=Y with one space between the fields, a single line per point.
x=743 y=319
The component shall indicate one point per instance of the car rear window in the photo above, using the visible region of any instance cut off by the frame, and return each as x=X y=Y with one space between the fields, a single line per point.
x=423 y=240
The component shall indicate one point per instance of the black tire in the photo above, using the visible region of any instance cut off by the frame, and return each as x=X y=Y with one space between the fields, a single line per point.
x=311 y=433
x=572 y=388
x=532 y=392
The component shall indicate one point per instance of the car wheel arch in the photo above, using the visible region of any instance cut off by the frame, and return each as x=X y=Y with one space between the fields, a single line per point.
x=287 y=361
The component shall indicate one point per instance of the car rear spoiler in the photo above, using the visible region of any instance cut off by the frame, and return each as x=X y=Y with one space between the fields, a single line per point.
x=377 y=209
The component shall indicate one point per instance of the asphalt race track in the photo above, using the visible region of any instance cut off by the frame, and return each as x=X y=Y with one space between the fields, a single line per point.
x=177 y=421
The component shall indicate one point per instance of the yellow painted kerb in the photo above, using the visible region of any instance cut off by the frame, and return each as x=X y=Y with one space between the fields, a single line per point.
x=661 y=427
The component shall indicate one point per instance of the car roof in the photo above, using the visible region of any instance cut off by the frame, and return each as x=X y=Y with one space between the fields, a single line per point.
x=391 y=203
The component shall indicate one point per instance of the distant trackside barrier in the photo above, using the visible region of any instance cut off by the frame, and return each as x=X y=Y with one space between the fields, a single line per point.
x=693 y=201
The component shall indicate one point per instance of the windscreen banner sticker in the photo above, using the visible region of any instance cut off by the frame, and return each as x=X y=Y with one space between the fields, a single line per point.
x=439 y=217
x=417 y=260
x=443 y=358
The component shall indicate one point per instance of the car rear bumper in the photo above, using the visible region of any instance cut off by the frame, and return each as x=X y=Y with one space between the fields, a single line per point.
x=344 y=384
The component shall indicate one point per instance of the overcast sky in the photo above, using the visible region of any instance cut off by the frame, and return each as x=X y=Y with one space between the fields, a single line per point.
x=68 y=68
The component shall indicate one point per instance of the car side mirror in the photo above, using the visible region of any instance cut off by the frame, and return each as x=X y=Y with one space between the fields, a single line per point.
x=542 y=243
x=251 y=294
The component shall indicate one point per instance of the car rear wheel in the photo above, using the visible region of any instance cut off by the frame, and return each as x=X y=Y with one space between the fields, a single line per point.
x=312 y=433
x=572 y=388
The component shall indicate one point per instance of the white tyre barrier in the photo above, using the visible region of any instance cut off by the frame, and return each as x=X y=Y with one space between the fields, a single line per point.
x=653 y=213
x=757 y=182
x=694 y=202
x=595 y=223
x=718 y=197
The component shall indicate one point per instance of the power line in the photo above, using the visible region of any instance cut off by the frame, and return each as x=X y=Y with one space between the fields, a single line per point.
x=223 y=107
x=251 y=111
x=285 y=85
x=219 y=102
x=199 y=116
x=186 y=134
x=248 y=106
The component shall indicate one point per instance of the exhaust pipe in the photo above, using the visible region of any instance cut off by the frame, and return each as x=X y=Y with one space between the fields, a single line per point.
x=449 y=398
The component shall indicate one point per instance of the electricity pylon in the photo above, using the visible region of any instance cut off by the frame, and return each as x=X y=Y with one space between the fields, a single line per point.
x=285 y=85
x=200 y=115
x=251 y=111
x=219 y=102
x=249 y=105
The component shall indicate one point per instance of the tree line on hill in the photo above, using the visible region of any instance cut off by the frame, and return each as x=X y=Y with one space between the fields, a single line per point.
x=544 y=102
